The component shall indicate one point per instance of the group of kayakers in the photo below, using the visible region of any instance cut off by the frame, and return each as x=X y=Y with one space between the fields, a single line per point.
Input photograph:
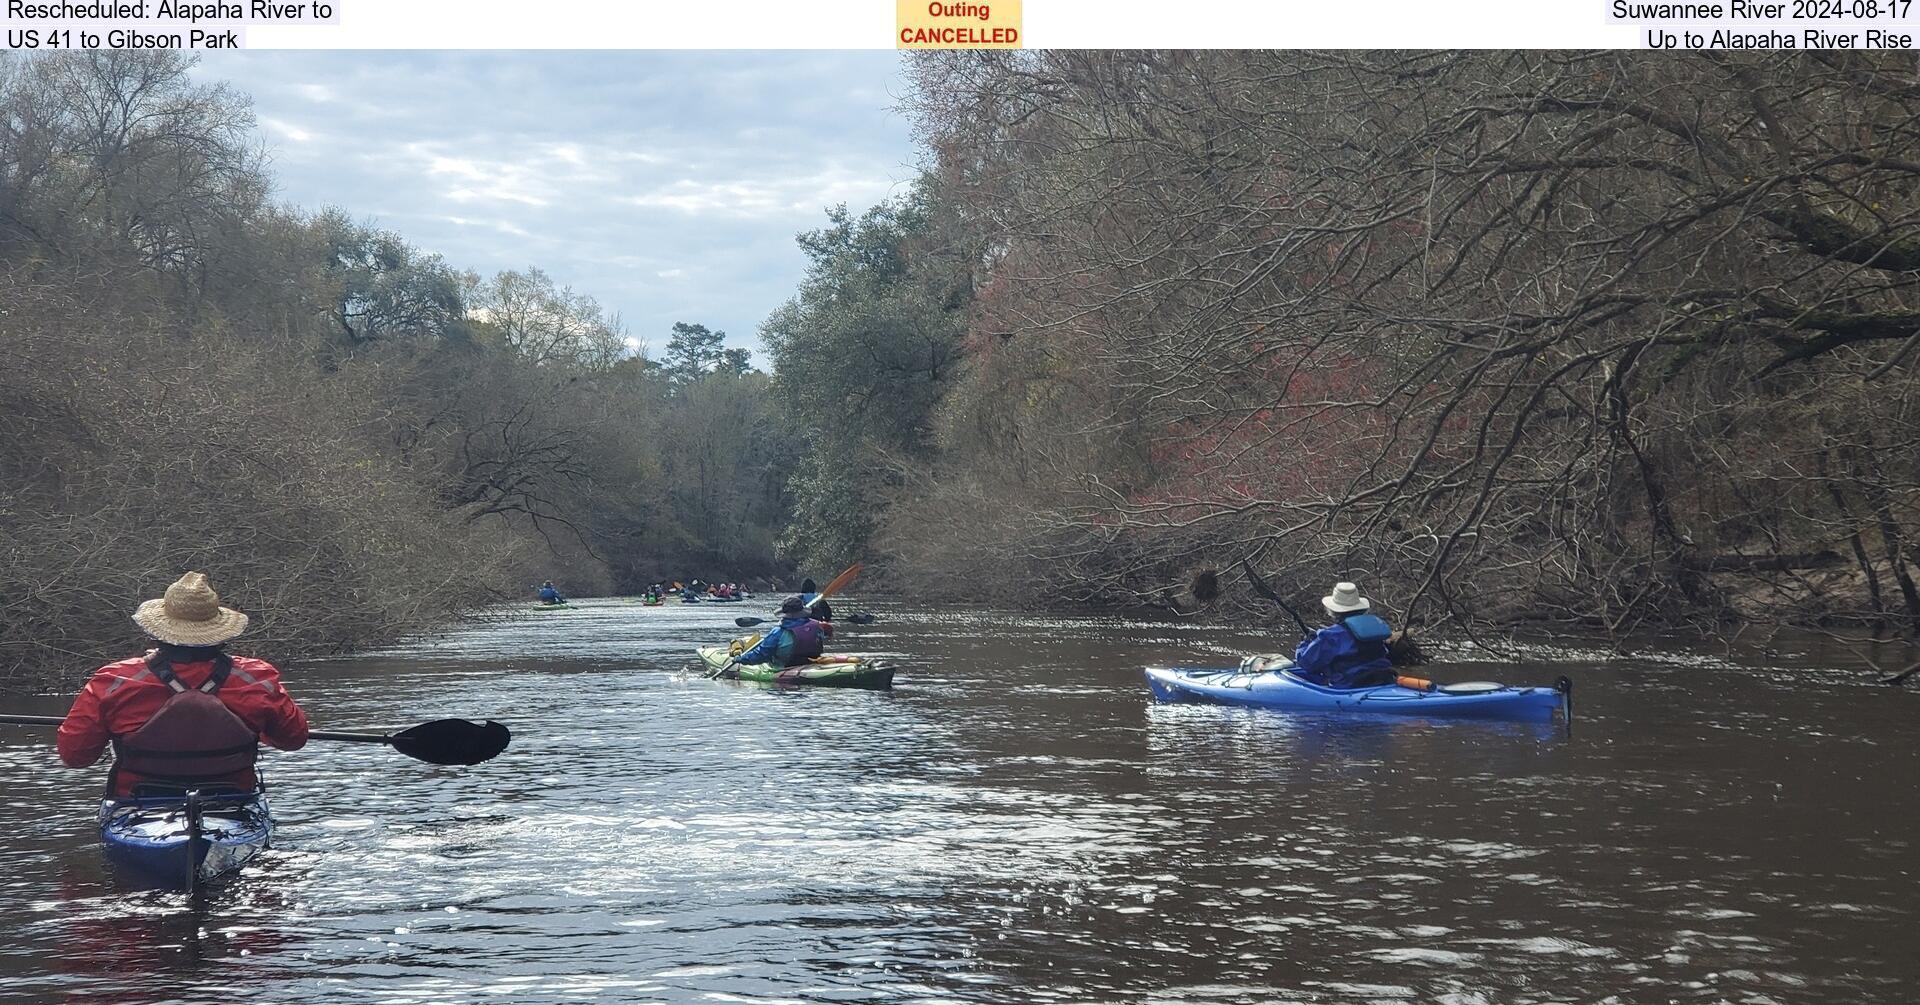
x=548 y=595
x=189 y=715
x=697 y=590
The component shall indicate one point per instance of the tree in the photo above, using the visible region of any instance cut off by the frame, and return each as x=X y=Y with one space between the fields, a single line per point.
x=692 y=351
x=548 y=325
x=863 y=355
x=359 y=440
x=120 y=157
x=1576 y=335
x=387 y=288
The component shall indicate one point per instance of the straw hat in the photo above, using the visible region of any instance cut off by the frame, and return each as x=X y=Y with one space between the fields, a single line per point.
x=190 y=614
x=1345 y=598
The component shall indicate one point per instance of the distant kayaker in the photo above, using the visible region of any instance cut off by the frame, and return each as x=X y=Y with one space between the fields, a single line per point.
x=185 y=715
x=798 y=639
x=1351 y=652
x=821 y=611
x=549 y=595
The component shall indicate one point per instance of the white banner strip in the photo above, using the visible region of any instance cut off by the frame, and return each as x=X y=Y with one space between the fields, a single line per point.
x=872 y=24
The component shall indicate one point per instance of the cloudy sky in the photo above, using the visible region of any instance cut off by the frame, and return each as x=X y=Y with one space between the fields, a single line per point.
x=668 y=185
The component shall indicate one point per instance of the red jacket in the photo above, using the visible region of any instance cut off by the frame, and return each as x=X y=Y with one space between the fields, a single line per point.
x=122 y=696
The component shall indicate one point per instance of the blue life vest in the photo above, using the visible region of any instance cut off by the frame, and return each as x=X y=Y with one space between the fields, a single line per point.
x=1370 y=636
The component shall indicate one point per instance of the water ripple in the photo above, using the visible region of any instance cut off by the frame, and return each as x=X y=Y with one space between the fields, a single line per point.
x=1015 y=823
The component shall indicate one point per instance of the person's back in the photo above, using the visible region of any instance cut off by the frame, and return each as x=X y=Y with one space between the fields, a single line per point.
x=1351 y=652
x=809 y=594
x=187 y=714
x=796 y=641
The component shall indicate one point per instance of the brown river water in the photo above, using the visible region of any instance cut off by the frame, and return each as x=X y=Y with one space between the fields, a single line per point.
x=1015 y=822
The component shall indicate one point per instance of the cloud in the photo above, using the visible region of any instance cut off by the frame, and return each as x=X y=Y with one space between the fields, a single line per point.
x=669 y=185
x=765 y=197
x=503 y=226
x=286 y=130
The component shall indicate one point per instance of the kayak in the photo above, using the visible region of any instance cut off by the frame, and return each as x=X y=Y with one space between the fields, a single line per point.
x=563 y=605
x=183 y=842
x=1280 y=688
x=824 y=671
x=724 y=600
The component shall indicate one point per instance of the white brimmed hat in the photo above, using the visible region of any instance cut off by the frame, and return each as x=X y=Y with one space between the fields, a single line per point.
x=190 y=615
x=1345 y=599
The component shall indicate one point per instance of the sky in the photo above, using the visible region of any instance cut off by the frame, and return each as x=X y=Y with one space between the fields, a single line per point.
x=667 y=185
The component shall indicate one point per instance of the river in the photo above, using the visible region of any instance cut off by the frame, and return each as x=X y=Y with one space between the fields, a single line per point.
x=1015 y=822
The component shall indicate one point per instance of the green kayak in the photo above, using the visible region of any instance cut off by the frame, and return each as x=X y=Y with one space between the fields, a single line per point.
x=827 y=671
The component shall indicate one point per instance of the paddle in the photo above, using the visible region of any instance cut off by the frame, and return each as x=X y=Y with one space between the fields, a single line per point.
x=1901 y=678
x=852 y=573
x=442 y=741
x=852 y=619
x=1260 y=587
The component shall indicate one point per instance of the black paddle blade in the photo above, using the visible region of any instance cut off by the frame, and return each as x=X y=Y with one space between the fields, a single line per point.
x=749 y=622
x=860 y=619
x=452 y=741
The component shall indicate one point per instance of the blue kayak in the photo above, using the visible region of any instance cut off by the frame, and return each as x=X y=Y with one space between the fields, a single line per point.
x=183 y=842
x=1279 y=688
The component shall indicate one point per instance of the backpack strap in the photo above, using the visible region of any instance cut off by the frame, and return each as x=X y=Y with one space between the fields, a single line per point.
x=162 y=668
x=222 y=669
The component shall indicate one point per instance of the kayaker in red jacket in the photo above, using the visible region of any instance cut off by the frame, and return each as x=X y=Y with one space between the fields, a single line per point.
x=185 y=715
